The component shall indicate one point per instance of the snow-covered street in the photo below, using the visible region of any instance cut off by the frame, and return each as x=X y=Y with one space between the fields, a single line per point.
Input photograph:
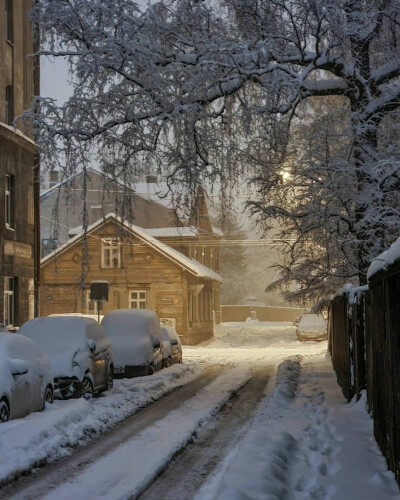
x=235 y=422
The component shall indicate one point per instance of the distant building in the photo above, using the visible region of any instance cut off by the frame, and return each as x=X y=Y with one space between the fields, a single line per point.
x=62 y=207
x=142 y=272
x=19 y=228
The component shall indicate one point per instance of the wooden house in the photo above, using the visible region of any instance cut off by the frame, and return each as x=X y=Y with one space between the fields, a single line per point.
x=142 y=272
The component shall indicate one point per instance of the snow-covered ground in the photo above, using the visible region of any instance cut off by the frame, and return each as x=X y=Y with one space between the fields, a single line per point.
x=305 y=446
x=253 y=343
x=49 y=435
x=302 y=443
x=124 y=472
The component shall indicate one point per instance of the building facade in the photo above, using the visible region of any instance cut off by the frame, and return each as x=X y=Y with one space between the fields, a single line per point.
x=19 y=170
x=142 y=272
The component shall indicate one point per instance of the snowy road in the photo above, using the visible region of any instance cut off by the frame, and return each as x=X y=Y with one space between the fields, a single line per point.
x=203 y=455
x=227 y=425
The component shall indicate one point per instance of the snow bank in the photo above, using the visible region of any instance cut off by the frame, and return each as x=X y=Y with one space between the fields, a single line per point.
x=311 y=447
x=256 y=467
x=44 y=437
x=385 y=259
x=287 y=380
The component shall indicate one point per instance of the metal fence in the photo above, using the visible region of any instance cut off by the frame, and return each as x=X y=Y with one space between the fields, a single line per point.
x=364 y=341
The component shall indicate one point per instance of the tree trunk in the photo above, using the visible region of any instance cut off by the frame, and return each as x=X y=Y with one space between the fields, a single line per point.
x=365 y=150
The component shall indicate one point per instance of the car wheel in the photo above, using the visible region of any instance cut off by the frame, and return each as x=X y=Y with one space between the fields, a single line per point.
x=181 y=359
x=48 y=397
x=4 y=412
x=87 y=388
x=150 y=370
x=110 y=378
x=169 y=362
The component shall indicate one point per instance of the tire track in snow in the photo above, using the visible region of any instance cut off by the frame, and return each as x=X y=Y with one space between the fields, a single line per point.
x=32 y=486
x=129 y=469
x=187 y=472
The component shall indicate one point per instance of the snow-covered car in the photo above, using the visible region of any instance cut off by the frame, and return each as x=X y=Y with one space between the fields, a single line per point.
x=79 y=351
x=312 y=327
x=26 y=381
x=78 y=315
x=172 y=350
x=137 y=341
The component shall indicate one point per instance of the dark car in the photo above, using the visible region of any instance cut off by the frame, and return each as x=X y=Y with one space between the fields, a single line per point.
x=26 y=381
x=137 y=342
x=172 y=350
x=79 y=352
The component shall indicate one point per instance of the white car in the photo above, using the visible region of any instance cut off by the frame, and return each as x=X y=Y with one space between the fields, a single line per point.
x=172 y=350
x=26 y=380
x=79 y=352
x=137 y=342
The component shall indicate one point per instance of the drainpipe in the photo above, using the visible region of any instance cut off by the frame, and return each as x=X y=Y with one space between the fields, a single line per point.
x=36 y=174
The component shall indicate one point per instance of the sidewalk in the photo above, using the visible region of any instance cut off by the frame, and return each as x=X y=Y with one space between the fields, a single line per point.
x=305 y=445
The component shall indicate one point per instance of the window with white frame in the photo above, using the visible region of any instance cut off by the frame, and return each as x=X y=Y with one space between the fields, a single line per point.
x=9 y=301
x=9 y=199
x=137 y=299
x=111 y=253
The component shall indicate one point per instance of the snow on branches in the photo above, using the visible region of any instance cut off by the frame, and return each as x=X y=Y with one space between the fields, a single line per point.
x=180 y=84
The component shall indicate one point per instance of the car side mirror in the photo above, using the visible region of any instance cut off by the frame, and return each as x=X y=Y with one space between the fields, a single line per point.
x=92 y=345
x=18 y=366
x=174 y=341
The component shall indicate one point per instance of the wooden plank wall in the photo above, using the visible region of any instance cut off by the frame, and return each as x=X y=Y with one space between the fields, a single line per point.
x=142 y=269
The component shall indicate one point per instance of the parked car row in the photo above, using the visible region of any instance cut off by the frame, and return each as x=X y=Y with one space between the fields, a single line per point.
x=73 y=356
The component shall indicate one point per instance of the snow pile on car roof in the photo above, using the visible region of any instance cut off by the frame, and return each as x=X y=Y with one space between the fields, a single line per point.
x=60 y=338
x=131 y=332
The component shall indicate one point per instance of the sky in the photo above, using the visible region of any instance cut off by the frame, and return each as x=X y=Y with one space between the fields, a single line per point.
x=54 y=79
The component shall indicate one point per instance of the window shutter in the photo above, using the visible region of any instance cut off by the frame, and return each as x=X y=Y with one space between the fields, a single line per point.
x=151 y=300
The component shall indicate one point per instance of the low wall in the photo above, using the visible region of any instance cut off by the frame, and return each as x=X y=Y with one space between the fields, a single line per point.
x=264 y=313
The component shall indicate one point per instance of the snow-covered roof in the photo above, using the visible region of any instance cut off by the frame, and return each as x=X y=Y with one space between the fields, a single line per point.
x=217 y=231
x=193 y=266
x=173 y=232
x=154 y=191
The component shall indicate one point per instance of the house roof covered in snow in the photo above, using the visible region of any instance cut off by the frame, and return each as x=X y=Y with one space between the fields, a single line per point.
x=191 y=265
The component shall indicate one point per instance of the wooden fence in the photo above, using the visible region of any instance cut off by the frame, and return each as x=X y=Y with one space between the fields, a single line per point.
x=364 y=341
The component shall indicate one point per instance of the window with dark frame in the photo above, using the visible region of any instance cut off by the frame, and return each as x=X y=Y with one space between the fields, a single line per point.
x=137 y=299
x=10 y=202
x=9 y=14
x=9 y=105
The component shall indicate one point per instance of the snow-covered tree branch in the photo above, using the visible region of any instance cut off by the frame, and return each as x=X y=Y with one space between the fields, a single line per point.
x=160 y=85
